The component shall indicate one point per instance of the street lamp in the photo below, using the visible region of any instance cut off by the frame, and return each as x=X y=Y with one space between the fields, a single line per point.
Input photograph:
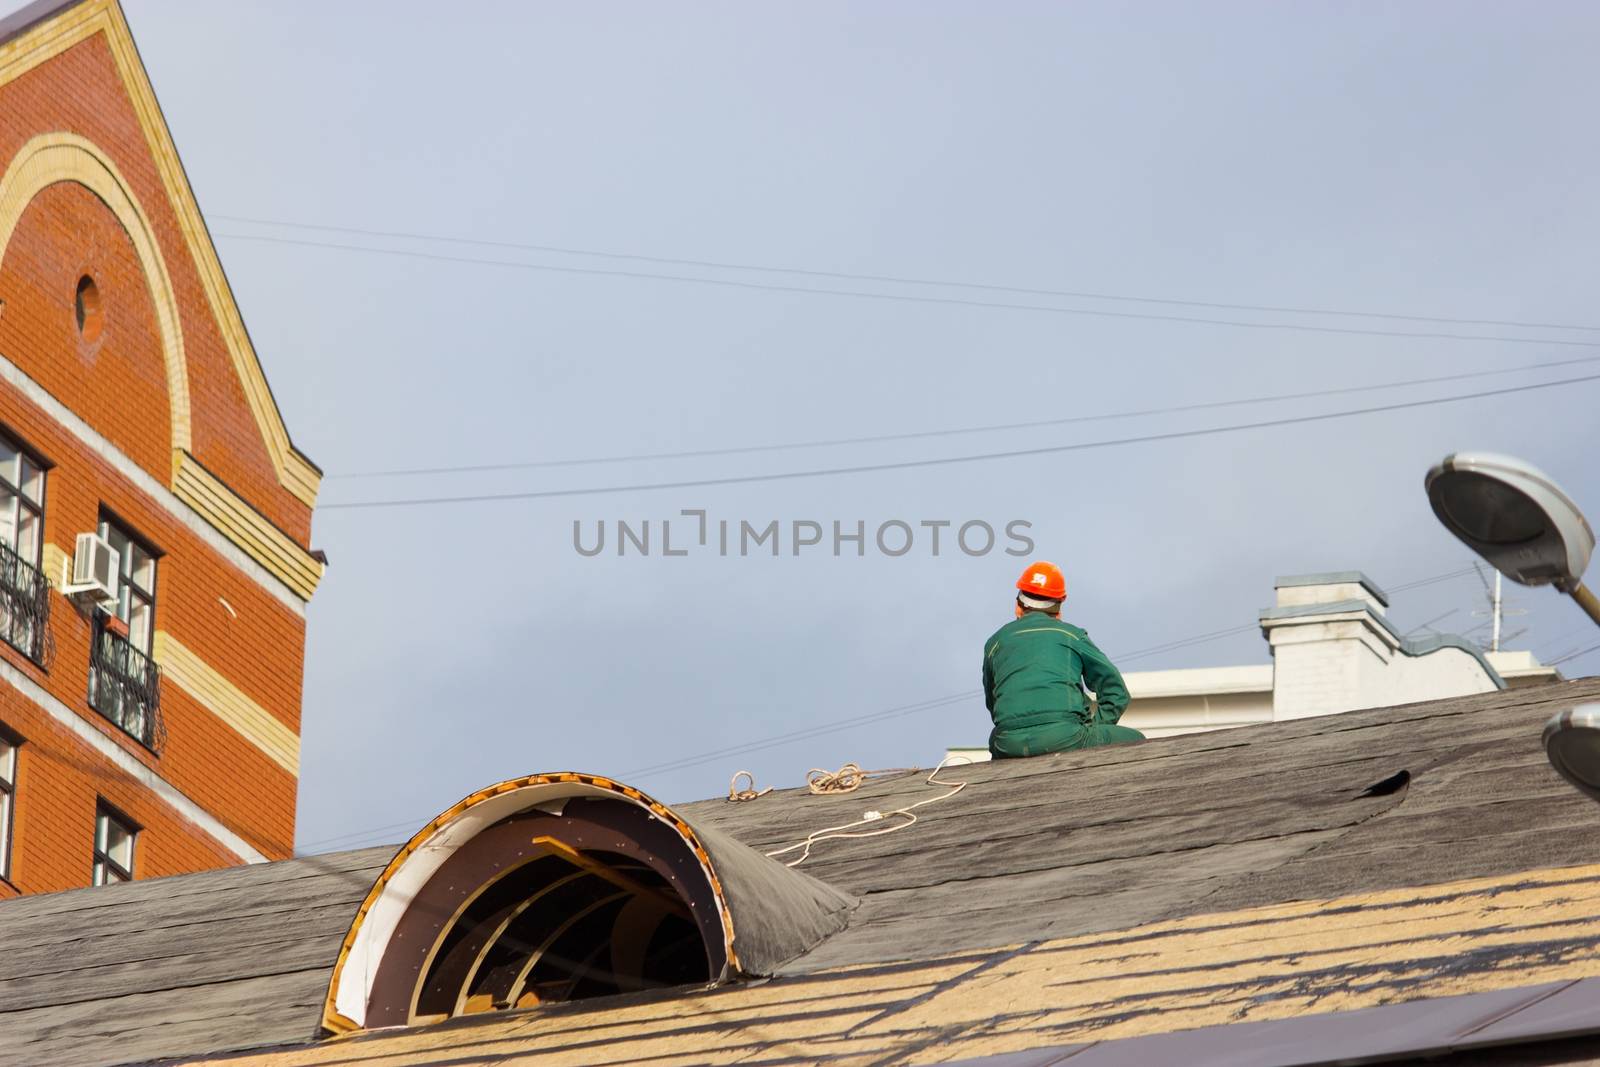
x=1518 y=519
x=1572 y=743
x=1529 y=530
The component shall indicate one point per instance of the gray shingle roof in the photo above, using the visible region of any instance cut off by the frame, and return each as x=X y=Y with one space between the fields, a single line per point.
x=170 y=966
x=1043 y=848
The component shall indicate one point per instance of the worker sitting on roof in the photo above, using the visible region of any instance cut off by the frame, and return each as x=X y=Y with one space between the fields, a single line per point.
x=1034 y=672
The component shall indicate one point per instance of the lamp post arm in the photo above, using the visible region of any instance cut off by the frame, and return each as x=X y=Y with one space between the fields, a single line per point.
x=1587 y=601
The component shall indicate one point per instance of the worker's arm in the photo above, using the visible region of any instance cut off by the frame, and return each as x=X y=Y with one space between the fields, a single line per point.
x=1110 y=691
x=988 y=680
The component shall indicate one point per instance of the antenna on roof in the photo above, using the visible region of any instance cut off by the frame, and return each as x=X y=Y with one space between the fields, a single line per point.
x=1497 y=611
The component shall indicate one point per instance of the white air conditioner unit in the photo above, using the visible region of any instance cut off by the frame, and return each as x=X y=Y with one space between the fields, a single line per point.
x=95 y=571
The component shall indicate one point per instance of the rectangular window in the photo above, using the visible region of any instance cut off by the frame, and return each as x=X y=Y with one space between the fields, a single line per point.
x=124 y=682
x=21 y=501
x=8 y=799
x=114 y=838
x=136 y=593
x=24 y=591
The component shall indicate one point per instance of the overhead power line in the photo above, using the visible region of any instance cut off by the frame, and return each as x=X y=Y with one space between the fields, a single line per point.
x=1569 y=657
x=352 y=839
x=892 y=279
x=1547 y=648
x=475 y=468
x=1080 y=446
x=907 y=297
x=1463 y=572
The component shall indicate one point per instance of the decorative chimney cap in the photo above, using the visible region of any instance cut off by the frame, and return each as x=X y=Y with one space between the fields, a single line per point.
x=1334 y=578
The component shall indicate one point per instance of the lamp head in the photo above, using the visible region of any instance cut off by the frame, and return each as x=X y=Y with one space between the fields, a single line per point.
x=1514 y=516
x=1572 y=744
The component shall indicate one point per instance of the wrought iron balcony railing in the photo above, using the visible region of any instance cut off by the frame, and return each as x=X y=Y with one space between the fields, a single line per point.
x=24 y=605
x=125 y=684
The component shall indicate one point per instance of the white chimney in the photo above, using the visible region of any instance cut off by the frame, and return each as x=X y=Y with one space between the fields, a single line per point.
x=1334 y=649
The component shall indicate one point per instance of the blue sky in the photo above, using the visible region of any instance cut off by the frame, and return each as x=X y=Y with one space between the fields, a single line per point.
x=1422 y=159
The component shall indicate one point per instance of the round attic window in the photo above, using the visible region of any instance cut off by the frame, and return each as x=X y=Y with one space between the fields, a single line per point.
x=86 y=308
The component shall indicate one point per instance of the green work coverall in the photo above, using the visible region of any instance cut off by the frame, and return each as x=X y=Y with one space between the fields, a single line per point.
x=1034 y=671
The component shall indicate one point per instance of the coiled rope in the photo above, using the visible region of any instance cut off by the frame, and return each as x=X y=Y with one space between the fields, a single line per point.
x=821 y=783
x=846 y=779
x=748 y=793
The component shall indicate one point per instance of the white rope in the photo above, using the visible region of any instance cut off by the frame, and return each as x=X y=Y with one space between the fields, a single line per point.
x=907 y=814
x=750 y=793
x=821 y=783
x=846 y=779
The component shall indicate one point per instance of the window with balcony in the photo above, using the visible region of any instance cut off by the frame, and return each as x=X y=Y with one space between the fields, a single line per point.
x=114 y=838
x=136 y=593
x=124 y=682
x=24 y=590
x=8 y=798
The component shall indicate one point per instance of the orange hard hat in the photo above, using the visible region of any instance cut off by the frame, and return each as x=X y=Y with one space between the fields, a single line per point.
x=1044 y=580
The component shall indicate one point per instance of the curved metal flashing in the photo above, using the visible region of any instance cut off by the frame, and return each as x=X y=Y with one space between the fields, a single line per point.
x=1407 y=646
x=1425 y=646
x=462 y=916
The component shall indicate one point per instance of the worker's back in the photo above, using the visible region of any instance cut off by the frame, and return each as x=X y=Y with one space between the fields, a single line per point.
x=1033 y=672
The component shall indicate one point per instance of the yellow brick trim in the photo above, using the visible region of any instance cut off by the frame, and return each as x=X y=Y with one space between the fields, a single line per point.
x=223 y=699
x=295 y=472
x=244 y=525
x=65 y=157
x=47 y=39
x=56 y=563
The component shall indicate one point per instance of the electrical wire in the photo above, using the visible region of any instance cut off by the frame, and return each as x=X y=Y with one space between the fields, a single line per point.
x=899 y=280
x=907 y=298
x=809 y=734
x=473 y=468
x=1546 y=647
x=1429 y=624
x=1173 y=646
x=1573 y=655
x=1174 y=435
x=1436 y=579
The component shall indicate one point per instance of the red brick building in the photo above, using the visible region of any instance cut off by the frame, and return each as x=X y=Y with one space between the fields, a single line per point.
x=156 y=732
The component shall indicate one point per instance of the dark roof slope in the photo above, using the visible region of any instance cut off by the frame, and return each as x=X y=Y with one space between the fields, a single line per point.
x=1032 y=849
x=225 y=959
x=1105 y=839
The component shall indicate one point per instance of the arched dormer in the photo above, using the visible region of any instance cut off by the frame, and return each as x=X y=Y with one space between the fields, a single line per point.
x=559 y=887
